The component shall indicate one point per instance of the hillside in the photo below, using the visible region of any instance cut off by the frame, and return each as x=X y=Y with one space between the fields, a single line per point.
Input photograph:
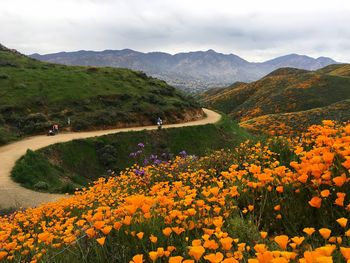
x=193 y=71
x=295 y=122
x=34 y=94
x=285 y=90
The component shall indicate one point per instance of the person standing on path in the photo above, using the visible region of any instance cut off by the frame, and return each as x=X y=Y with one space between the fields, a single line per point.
x=159 y=123
x=55 y=128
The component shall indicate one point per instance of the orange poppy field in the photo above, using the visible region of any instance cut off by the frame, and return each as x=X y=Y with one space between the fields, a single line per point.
x=278 y=200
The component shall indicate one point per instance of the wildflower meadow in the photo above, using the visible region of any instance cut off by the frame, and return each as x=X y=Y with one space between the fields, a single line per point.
x=278 y=200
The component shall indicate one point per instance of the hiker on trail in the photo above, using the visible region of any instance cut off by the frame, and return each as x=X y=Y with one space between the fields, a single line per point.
x=55 y=128
x=159 y=123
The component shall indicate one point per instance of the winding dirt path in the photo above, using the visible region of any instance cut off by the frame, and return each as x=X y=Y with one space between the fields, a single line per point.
x=14 y=195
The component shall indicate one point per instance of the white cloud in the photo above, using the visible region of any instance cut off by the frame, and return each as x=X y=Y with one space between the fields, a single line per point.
x=253 y=29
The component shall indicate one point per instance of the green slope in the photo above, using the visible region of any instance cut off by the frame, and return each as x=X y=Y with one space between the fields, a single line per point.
x=33 y=95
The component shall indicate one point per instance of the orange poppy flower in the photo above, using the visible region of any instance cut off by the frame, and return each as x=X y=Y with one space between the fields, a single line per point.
x=117 y=225
x=230 y=260
x=340 y=199
x=345 y=251
x=106 y=230
x=325 y=193
x=3 y=254
x=177 y=259
x=214 y=258
x=101 y=240
x=153 y=239
x=226 y=243
x=263 y=234
x=325 y=232
x=326 y=250
x=90 y=232
x=153 y=255
x=260 y=248
x=279 y=189
x=342 y=222
x=298 y=240
x=315 y=202
x=277 y=208
x=339 y=180
x=137 y=258
x=167 y=231
x=282 y=241
x=196 y=252
x=140 y=235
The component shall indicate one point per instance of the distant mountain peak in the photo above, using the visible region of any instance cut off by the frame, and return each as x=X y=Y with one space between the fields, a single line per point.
x=327 y=59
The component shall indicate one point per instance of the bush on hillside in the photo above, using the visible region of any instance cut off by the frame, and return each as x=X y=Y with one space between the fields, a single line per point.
x=41 y=185
x=107 y=155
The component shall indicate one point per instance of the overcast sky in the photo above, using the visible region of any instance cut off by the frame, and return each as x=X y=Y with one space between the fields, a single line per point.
x=253 y=29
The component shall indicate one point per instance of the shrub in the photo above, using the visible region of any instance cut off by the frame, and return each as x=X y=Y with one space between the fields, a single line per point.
x=69 y=188
x=41 y=185
x=243 y=229
x=107 y=155
x=80 y=124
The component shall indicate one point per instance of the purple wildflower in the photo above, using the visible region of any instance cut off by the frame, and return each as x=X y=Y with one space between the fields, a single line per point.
x=157 y=161
x=139 y=172
x=153 y=157
x=183 y=154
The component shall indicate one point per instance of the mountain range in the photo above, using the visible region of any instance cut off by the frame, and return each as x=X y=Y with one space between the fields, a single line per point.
x=192 y=71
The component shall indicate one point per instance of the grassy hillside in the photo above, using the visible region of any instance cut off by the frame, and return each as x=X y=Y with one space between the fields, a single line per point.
x=296 y=122
x=227 y=99
x=33 y=95
x=337 y=70
x=62 y=167
x=283 y=91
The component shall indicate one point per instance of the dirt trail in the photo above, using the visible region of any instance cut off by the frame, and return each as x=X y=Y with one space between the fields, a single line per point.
x=14 y=195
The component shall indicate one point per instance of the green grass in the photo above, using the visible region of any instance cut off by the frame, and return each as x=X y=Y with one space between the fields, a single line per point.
x=34 y=94
x=65 y=166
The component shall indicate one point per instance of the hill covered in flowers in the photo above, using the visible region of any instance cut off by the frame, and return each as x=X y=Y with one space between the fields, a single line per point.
x=284 y=93
x=274 y=201
x=293 y=123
